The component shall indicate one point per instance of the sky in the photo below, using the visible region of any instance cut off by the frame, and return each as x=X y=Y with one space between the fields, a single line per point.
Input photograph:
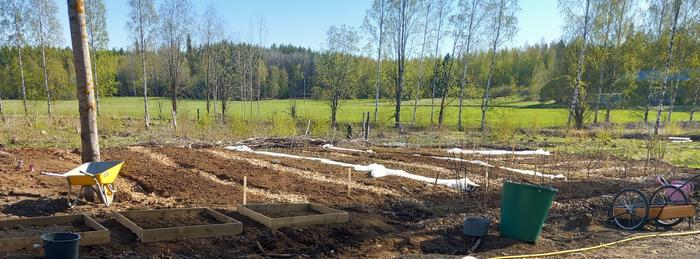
x=305 y=22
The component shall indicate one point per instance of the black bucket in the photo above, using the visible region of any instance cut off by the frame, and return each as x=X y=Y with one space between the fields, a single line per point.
x=61 y=245
x=476 y=227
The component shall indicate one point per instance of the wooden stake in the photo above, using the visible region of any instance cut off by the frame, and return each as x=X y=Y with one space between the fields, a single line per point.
x=245 y=189
x=349 y=180
x=487 y=177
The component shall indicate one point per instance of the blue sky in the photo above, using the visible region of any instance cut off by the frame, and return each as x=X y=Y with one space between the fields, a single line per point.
x=304 y=22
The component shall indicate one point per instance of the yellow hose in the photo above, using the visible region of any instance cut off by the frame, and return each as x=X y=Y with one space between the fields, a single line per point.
x=601 y=245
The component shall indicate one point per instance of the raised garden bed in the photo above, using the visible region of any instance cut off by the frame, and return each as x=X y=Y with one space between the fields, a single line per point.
x=284 y=215
x=169 y=224
x=16 y=234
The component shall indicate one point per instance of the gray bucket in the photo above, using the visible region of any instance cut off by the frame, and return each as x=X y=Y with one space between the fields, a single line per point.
x=476 y=227
x=60 y=245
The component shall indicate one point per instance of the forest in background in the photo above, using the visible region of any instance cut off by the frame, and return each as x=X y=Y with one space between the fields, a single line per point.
x=625 y=62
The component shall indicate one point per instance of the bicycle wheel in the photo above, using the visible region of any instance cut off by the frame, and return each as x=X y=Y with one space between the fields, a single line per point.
x=668 y=195
x=630 y=209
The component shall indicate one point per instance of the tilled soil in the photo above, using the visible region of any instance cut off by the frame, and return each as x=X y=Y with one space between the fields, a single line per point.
x=170 y=221
x=389 y=216
x=289 y=213
x=26 y=231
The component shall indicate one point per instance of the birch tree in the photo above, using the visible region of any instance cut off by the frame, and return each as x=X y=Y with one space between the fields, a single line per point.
x=504 y=24
x=402 y=16
x=468 y=21
x=442 y=12
x=175 y=22
x=427 y=7
x=14 y=13
x=335 y=70
x=95 y=16
x=211 y=31
x=374 y=24
x=46 y=32
x=86 y=95
x=667 y=66
x=142 y=22
x=580 y=26
x=688 y=18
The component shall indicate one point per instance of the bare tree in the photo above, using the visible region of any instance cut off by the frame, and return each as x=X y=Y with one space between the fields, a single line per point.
x=442 y=12
x=504 y=24
x=46 y=32
x=95 y=15
x=402 y=16
x=86 y=94
x=374 y=24
x=142 y=22
x=467 y=22
x=421 y=57
x=15 y=14
x=211 y=31
x=667 y=66
x=176 y=19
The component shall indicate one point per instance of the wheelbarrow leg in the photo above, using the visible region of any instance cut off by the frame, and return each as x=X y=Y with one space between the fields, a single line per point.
x=70 y=201
x=102 y=192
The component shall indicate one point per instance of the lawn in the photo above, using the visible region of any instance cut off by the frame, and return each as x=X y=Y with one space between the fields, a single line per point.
x=513 y=111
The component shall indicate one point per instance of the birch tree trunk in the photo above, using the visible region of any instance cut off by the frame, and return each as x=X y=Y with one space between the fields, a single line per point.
x=576 y=111
x=437 y=56
x=379 y=59
x=673 y=100
x=669 y=59
x=421 y=63
x=46 y=77
x=494 y=46
x=85 y=90
x=21 y=75
x=146 y=116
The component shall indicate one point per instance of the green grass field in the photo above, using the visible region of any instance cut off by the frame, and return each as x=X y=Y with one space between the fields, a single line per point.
x=518 y=113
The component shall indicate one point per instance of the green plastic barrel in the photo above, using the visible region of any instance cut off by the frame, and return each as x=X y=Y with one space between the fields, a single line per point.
x=524 y=208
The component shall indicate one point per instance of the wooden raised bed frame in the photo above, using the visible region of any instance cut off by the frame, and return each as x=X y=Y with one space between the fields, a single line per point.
x=327 y=216
x=228 y=226
x=100 y=234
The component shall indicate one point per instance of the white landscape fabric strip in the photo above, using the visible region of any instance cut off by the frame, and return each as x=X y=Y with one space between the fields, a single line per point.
x=329 y=146
x=375 y=170
x=520 y=171
x=498 y=152
x=679 y=139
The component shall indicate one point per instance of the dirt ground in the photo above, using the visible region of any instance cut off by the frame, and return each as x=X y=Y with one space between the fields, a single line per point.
x=389 y=216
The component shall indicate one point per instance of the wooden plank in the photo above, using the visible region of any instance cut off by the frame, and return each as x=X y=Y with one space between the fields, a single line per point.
x=161 y=234
x=100 y=235
x=39 y=221
x=260 y=218
x=668 y=212
x=327 y=216
x=129 y=224
x=228 y=227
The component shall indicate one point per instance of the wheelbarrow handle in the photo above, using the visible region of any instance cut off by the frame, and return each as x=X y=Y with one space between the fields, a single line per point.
x=53 y=174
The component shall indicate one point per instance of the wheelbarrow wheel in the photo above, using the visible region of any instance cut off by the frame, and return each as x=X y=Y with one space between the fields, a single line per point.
x=630 y=209
x=668 y=195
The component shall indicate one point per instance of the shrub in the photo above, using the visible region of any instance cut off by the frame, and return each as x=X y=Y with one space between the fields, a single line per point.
x=283 y=125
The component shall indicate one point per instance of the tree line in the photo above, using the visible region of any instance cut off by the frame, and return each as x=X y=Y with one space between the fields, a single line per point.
x=437 y=53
